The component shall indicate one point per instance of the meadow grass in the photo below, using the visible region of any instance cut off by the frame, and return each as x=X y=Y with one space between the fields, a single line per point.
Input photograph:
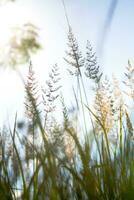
x=49 y=160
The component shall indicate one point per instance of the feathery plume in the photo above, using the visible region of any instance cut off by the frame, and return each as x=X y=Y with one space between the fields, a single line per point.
x=74 y=56
x=91 y=65
x=32 y=97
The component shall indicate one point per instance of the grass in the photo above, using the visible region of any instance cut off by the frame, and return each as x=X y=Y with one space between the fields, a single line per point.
x=49 y=160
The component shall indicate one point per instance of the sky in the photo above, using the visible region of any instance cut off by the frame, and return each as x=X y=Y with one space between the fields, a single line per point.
x=87 y=18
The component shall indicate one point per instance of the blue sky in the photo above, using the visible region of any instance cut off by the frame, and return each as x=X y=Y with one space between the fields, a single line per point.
x=87 y=18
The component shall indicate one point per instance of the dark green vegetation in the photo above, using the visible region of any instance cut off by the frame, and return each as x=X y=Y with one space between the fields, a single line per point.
x=50 y=160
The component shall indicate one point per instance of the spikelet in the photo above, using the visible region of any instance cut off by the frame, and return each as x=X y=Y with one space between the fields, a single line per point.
x=104 y=105
x=32 y=112
x=69 y=144
x=50 y=92
x=23 y=42
x=118 y=98
x=74 y=56
x=92 y=68
x=5 y=145
x=129 y=126
x=129 y=81
x=69 y=147
x=8 y=155
x=56 y=139
x=32 y=97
